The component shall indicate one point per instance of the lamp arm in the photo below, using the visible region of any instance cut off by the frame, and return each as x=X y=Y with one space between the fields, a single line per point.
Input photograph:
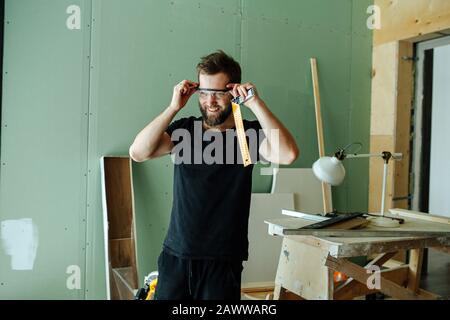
x=395 y=156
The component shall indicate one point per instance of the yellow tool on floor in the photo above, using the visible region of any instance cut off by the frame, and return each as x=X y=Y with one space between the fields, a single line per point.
x=148 y=291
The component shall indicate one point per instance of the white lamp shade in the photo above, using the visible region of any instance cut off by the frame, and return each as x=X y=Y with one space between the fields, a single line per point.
x=329 y=170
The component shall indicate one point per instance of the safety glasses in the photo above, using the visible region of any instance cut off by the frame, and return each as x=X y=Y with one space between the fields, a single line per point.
x=204 y=93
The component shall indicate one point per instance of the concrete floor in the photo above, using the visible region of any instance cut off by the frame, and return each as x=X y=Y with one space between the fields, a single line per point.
x=437 y=279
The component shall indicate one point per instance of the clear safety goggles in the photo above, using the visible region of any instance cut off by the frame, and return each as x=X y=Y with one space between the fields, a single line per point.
x=204 y=93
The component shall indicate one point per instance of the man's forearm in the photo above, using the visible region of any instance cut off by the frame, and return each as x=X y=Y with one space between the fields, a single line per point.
x=146 y=142
x=286 y=147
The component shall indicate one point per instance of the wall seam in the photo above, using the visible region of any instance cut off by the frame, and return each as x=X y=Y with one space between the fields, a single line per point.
x=86 y=236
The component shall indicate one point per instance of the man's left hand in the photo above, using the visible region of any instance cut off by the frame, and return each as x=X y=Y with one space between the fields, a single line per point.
x=238 y=89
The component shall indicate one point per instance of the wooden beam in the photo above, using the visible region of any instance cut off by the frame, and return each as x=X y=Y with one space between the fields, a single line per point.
x=388 y=287
x=351 y=285
x=357 y=289
x=415 y=267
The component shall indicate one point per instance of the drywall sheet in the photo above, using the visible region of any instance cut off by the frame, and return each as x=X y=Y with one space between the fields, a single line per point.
x=264 y=249
x=44 y=145
x=302 y=182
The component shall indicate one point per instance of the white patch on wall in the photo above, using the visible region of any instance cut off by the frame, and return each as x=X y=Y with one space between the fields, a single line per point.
x=20 y=241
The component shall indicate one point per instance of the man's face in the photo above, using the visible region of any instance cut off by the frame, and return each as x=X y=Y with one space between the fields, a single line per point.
x=215 y=106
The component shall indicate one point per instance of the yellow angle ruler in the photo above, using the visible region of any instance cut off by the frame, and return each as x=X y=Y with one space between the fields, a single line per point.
x=240 y=131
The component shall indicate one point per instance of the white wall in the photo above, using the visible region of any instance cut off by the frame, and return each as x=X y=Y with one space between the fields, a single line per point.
x=439 y=198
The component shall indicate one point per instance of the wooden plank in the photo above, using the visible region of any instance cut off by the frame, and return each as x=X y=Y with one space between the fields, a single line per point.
x=401 y=20
x=420 y=216
x=326 y=193
x=388 y=287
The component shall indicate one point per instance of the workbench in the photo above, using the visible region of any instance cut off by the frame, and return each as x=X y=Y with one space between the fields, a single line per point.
x=307 y=264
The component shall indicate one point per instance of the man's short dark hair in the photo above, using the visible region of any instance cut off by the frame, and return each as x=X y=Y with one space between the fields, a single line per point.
x=217 y=62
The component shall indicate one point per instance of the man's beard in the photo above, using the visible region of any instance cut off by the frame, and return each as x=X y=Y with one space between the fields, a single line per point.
x=217 y=118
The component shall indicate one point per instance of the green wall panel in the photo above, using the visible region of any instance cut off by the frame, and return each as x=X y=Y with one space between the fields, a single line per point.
x=89 y=92
x=44 y=144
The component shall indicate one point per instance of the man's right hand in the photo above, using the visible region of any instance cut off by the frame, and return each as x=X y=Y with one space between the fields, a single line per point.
x=181 y=94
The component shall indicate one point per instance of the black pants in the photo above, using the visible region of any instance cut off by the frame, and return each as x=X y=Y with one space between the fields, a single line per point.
x=198 y=279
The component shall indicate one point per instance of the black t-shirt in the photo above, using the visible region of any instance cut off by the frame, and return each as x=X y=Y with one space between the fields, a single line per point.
x=211 y=191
